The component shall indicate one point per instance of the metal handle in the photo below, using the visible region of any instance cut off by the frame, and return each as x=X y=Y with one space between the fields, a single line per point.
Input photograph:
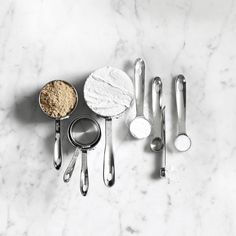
x=69 y=170
x=156 y=106
x=163 y=160
x=57 y=145
x=139 y=84
x=84 y=179
x=108 y=162
x=180 y=90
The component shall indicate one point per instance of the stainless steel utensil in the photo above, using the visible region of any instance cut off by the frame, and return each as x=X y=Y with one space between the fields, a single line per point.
x=157 y=141
x=94 y=79
x=163 y=159
x=182 y=141
x=84 y=133
x=57 y=160
x=140 y=126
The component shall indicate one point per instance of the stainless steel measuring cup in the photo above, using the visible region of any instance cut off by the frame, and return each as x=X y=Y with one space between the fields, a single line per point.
x=84 y=133
x=108 y=77
x=57 y=160
x=182 y=141
x=157 y=141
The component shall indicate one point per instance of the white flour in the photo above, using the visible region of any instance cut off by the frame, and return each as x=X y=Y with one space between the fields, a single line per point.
x=140 y=128
x=182 y=143
x=108 y=91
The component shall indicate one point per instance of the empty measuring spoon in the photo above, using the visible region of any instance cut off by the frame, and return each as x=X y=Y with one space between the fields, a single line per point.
x=57 y=160
x=157 y=141
x=163 y=159
x=182 y=140
x=140 y=126
x=84 y=133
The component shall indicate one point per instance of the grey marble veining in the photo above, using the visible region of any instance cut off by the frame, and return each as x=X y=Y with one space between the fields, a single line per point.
x=45 y=40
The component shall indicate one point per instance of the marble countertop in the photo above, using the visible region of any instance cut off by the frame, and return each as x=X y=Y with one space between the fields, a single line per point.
x=45 y=40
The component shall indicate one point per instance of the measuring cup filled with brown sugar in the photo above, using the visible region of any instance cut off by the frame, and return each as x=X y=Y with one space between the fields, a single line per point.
x=58 y=99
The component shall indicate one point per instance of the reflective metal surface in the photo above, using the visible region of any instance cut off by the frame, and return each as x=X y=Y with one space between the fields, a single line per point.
x=157 y=142
x=108 y=160
x=163 y=160
x=139 y=86
x=182 y=141
x=84 y=133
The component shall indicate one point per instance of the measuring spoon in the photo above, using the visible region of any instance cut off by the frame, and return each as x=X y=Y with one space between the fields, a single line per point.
x=182 y=140
x=157 y=142
x=140 y=127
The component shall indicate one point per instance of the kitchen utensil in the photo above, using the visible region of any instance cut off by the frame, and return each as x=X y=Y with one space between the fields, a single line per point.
x=163 y=159
x=84 y=133
x=57 y=161
x=157 y=141
x=108 y=92
x=140 y=126
x=182 y=141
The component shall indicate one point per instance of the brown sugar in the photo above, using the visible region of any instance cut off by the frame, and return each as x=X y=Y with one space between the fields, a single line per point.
x=58 y=99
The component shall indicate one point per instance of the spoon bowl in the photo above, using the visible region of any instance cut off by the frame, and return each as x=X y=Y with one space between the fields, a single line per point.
x=156 y=144
x=183 y=142
x=140 y=127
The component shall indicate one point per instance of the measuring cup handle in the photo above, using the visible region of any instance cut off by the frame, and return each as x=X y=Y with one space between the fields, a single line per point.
x=108 y=162
x=180 y=91
x=139 y=84
x=57 y=146
x=84 y=178
x=69 y=170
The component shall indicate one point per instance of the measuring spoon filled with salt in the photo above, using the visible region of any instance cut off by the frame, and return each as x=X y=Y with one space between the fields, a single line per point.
x=139 y=127
x=182 y=140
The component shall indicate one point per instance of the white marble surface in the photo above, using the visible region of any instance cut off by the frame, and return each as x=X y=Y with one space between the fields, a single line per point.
x=45 y=40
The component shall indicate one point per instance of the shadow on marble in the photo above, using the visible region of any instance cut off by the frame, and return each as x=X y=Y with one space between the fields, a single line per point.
x=129 y=68
x=27 y=109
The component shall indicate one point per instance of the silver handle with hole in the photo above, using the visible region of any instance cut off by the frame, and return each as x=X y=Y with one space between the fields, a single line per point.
x=84 y=179
x=69 y=170
x=57 y=145
x=180 y=91
x=139 y=85
x=156 y=106
x=108 y=162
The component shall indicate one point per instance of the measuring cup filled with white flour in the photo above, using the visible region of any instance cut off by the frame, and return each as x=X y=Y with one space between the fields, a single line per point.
x=108 y=92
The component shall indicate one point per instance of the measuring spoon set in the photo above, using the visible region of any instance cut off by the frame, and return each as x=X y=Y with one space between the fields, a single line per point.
x=109 y=92
x=141 y=128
